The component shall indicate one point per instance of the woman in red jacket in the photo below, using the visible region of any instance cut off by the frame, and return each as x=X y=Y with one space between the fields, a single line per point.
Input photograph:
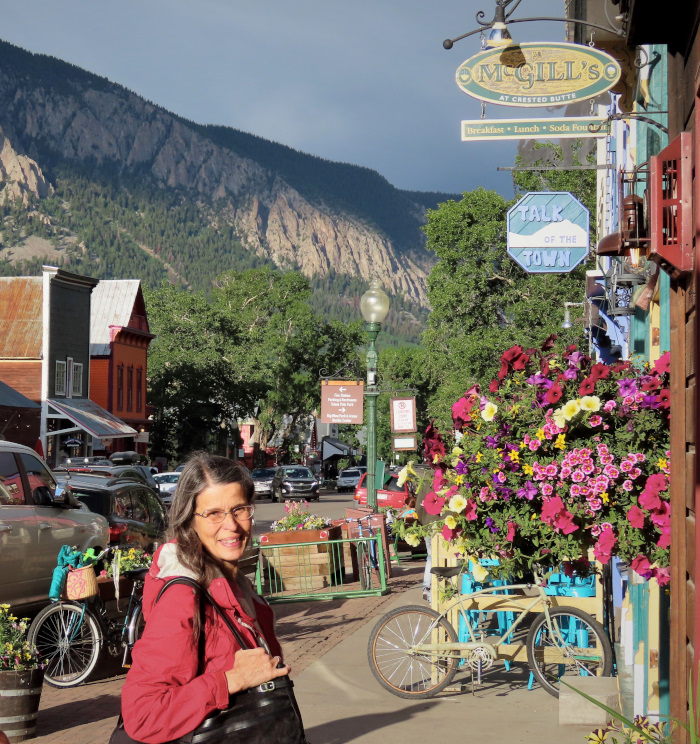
x=165 y=695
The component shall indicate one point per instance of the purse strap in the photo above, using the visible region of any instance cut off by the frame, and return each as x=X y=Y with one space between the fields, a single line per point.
x=204 y=594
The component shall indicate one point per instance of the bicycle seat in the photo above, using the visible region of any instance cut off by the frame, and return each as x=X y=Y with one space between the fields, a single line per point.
x=136 y=574
x=446 y=572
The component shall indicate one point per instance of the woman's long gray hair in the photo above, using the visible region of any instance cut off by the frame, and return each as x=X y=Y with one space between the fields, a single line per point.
x=201 y=471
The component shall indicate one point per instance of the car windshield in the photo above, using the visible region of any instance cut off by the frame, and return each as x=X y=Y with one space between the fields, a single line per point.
x=167 y=478
x=263 y=474
x=94 y=500
x=393 y=485
x=350 y=474
x=297 y=473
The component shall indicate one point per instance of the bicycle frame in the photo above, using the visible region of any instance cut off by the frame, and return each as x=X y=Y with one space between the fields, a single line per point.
x=498 y=647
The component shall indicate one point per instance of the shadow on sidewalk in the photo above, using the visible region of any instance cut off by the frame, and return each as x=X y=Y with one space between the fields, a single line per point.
x=349 y=729
x=77 y=712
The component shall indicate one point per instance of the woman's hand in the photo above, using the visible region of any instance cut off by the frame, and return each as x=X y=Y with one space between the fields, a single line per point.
x=252 y=667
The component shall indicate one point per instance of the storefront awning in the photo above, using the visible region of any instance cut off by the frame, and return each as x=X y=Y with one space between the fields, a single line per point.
x=332 y=447
x=10 y=398
x=92 y=418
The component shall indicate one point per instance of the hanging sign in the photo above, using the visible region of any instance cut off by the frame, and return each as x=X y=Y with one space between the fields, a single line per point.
x=342 y=401
x=548 y=232
x=518 y=129
x=403 y=415
x=538 y=74
x=404 y=443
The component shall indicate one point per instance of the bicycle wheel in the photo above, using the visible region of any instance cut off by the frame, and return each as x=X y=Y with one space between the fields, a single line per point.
x=134 y=631
x=401 y=671
x=364 y=566
x=576 y=645
x=68 y=639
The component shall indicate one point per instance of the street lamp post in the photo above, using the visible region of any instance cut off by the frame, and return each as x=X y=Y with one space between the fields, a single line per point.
x=374 y=306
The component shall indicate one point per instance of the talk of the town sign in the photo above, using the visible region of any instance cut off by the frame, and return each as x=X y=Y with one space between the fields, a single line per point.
x=538 y=74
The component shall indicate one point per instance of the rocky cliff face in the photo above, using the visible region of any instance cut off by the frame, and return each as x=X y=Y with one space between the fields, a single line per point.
x=108 y=125
x=20 y=176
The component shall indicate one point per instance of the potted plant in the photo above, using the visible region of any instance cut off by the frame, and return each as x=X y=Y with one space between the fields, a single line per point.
x=291 y=566
x=21 y=678
x=562 y=456
x=125 y=559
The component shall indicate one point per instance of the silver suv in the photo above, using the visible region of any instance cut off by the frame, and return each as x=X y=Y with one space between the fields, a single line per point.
x=34 y=524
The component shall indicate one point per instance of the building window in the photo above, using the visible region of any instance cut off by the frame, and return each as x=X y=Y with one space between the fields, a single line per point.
x=139 y=389
x=60 y=382
x=130 y=389
x=120 y=387
x=77 y=386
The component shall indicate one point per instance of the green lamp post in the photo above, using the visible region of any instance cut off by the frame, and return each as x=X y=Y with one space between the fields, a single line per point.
x=374 y=306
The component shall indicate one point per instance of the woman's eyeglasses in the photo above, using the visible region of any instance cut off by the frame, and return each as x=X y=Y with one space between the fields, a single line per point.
x=240 y=514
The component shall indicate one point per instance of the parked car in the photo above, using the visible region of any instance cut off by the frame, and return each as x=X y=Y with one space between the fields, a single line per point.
x=390 y=494
x=78 y=461
x=294 y=482
x=348 y=479
x=35 y=521
x=262 y=479
x=136 y=515
x=167 y=483
x=136 y=472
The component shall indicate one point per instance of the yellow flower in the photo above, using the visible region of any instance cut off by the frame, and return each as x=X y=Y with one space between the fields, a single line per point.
x=570 y=409
x=457 y=451
x=514 y=456
x=436 y=459
x=605 y=497
x=457 y=503
x=478 y=456
x=490 y=410
x=598 y=736
x=559 y=418
x=405 y=473
x=478 y=571
x=533 y=517
x=590 y=403
x=450 y=522
x=412 y=540
x=522 y=445
x=459 y=480
x=527 y=469
x=561 y=442
x=662 y=463
x=539 y=434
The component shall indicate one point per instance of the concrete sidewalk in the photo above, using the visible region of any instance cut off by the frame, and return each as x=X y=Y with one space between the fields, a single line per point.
x=326 y=645
x=342 y=702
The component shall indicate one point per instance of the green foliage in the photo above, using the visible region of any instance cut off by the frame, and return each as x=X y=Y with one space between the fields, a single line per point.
x=481 y=300
x=253 y=345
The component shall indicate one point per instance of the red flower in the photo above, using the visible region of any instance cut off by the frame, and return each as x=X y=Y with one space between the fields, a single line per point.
x=503 y=371
x=604 y=547
x=511 y=531
x=652 y=382
x=587 y=386
x=432 y=503
x=461 y=412
x=448 y=534
x=432 y=443
x=470 y=510
x=636 y=517
x=553 y=394
x=520 y=362
x=549 y=343
x=565 y=522
x=493 y=387
x=642 y=566
x=664 y=398
x=600 y=371
x=510 y=355
x=621 y=367
x=663 y=364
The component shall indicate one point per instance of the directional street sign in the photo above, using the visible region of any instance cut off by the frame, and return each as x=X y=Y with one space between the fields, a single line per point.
x=548 y=232
x=342 y=401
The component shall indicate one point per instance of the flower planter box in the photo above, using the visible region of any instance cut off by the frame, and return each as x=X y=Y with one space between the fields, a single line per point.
x=301 y=568
x=20 y=693
x=105 y=585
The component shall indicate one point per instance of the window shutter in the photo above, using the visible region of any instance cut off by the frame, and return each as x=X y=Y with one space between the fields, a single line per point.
x=671 y=213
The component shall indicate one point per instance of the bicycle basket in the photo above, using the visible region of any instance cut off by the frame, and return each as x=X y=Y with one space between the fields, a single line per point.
x=81 y=583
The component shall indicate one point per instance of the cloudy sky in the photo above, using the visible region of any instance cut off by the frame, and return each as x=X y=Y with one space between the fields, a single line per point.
x=358 y=81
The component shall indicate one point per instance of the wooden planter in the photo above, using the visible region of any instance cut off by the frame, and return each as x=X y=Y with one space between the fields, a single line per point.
x=300 y=568
x=20 y=692
x=105 y=586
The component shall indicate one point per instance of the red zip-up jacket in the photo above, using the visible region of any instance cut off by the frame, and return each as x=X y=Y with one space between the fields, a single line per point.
x=164 y=697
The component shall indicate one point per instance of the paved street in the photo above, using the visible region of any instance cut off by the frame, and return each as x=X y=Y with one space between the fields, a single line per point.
x=330 y=504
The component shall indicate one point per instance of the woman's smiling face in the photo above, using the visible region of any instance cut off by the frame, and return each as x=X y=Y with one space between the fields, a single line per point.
x=227 y=540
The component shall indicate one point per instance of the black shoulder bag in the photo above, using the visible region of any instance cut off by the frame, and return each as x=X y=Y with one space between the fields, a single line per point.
x=267 y=714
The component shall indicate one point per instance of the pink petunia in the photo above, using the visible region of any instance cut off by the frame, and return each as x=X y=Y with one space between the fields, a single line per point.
x=564 y=522
x=649 y=500
x=627 y=485
x=470 y=511
x=511 y=531
x=610 y=406
x=605 y=545
x=449 y=534
x=642 y=566
x=546 y=489
x=433 y=503
x=656 y=483
x=595 y=421
x=663 y=576
x=636 y=517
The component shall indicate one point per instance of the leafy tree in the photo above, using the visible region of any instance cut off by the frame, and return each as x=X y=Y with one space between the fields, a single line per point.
x=482 y=301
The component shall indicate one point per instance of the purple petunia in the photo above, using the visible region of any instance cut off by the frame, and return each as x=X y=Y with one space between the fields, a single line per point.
x=627 y=387
x=570 y=373
x=528 y=491
x=490 y=524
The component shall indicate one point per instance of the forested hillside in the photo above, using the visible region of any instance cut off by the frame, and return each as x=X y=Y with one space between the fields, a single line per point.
x=136 y=192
